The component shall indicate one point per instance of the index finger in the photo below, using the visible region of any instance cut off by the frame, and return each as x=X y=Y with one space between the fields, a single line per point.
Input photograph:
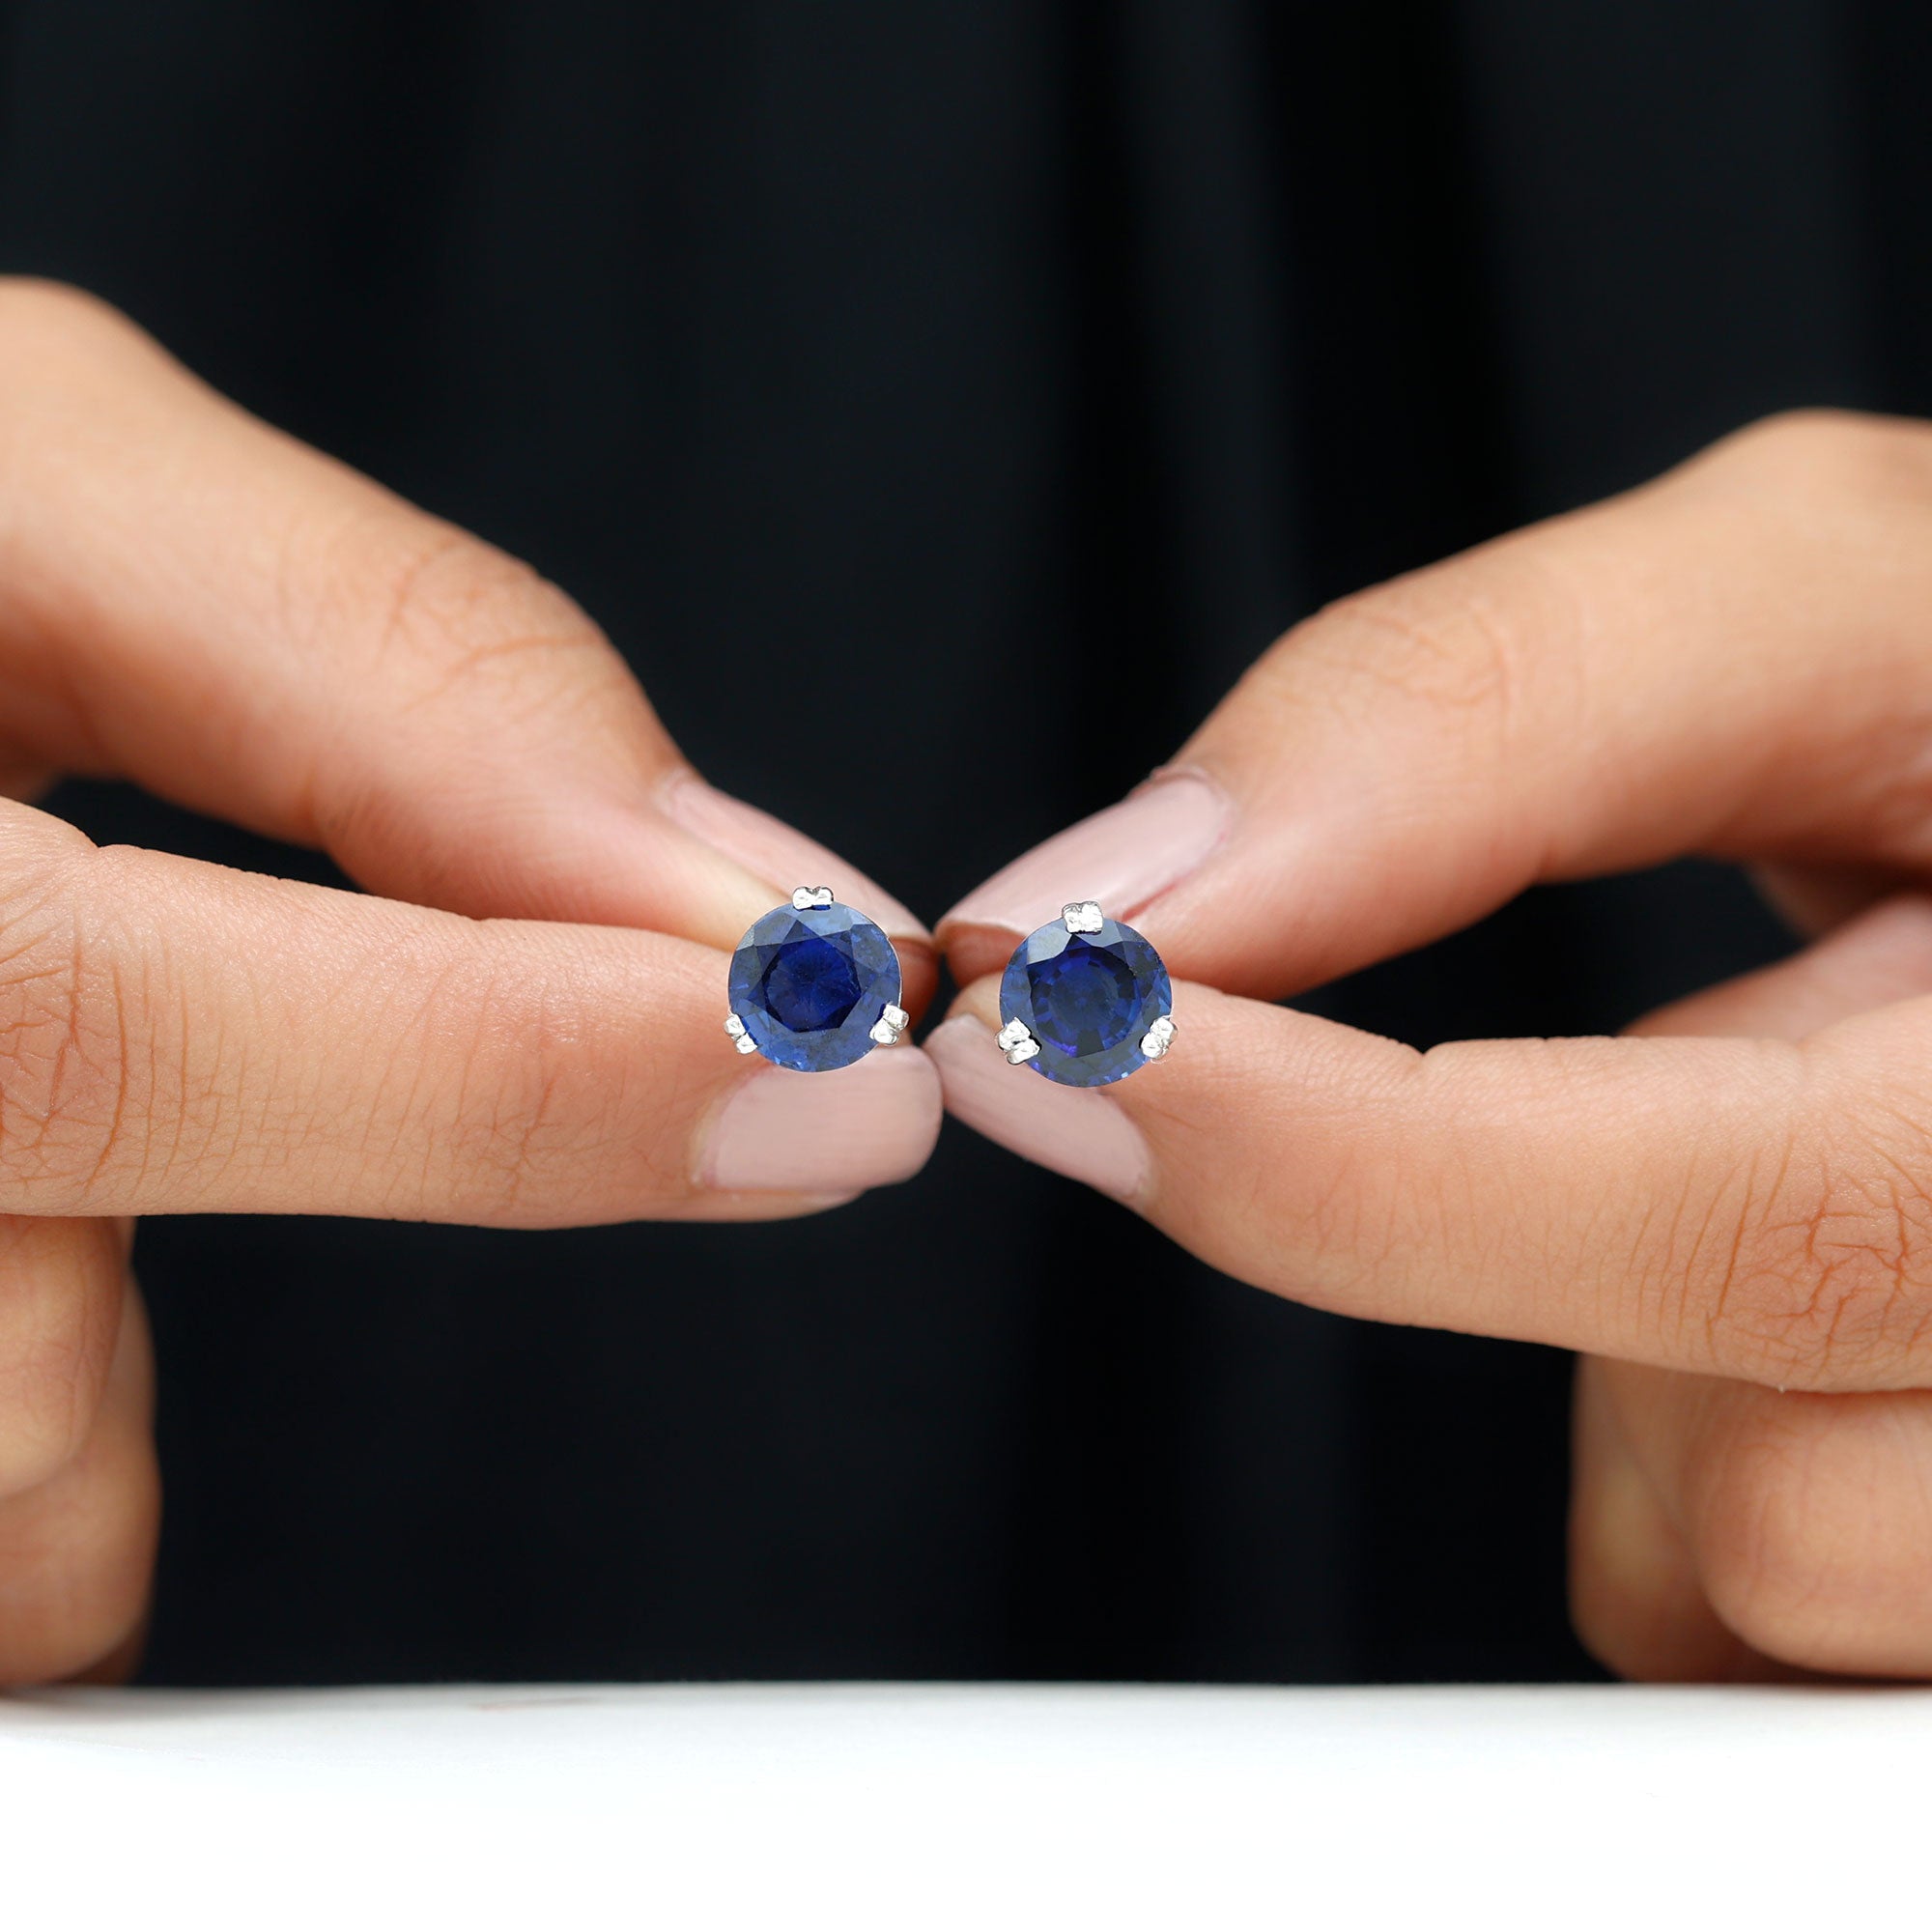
x=1754 y=1208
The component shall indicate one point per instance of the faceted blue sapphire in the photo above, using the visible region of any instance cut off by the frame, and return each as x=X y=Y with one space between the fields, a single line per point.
x=811 y=985
x=1087 y=998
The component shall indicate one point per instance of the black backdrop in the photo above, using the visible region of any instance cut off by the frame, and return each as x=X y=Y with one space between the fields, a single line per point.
x=1009 y=346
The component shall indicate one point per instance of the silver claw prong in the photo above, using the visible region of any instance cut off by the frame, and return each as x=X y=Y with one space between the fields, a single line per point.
x=808 y=897
x=739 y=1038
x=892 y=1024
x=1158 y=1038
x=1017 y=1044
x=1081 y=916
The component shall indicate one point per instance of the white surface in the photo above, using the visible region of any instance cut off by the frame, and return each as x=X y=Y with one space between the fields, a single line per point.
x=912 y=1808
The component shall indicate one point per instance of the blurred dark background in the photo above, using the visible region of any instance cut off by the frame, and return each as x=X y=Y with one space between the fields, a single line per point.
x=865 y=369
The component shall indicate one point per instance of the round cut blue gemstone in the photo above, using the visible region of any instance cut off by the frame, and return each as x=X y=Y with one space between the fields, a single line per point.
x=1087 y=998
x=810 y=983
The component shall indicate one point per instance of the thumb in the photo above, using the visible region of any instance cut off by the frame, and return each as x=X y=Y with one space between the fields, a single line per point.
x=1729 y=660
x=250 y=629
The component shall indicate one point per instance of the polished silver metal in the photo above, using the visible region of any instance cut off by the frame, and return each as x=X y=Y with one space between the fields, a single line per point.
x=1083 y=915
x=892 y=1023
x=739 y=1038
x=804 y=897
x=1158 y=1038
x=1017 y=1044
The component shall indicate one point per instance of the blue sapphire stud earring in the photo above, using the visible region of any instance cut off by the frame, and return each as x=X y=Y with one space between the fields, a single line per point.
x=814 y=985
x=1086 y=1001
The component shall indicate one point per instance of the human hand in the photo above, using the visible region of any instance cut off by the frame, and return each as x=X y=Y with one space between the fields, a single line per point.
x=525 y=1029
x=1736 y=660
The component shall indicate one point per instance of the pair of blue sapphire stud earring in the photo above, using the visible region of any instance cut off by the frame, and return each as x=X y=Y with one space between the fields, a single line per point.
x=815 y=985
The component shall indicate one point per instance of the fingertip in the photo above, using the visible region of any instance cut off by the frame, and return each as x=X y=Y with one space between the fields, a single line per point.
x=919 y=976
x=783 y=856
x=766 y=860
x=974 y=950
x=978 y=999
x=822 y=1137
x=1124 y=857
x=1079 y=1132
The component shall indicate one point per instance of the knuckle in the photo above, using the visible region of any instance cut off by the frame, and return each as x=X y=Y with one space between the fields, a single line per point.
x=1756 y=1539
x=65 y=1067
x=1605 y=1613
x=1477 y=660
x=1457 y=653
x=79 y=1573
x=57 y=1331
x=1830 y=455
x=1801 y=1550
x=1618 y=1621
x=56 y=342
x=438 y=609
x=33 y=307
x=504 y=1144
x=1821 y=1277
x=456 y=637
x=526 y=1123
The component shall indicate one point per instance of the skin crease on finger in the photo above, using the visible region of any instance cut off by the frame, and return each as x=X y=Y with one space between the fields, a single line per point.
x=60 y=1308
x=198 y=604
x=1799 y=1537
x=1731 y=661
x=172 y=1033
x=1720 y=1530
x=1728 y=1206
x=1804 y=1539
x=163 y=618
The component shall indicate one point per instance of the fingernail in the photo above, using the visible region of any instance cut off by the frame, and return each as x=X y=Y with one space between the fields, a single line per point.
x=865 y=1126
x=771 y=848
x=1123 y=857
x=1076 y=1131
